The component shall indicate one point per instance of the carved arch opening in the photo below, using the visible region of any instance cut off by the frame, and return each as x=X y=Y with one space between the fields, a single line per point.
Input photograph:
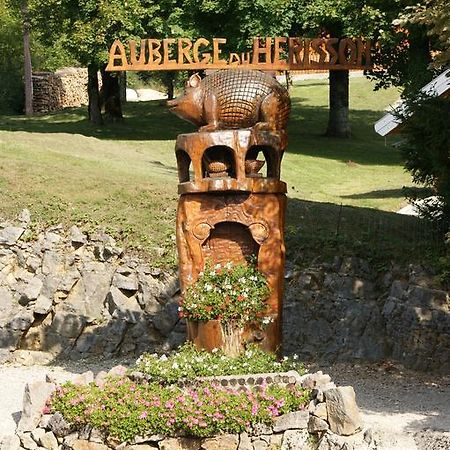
x=183 y=163
x=272 y=159
x=229 y=242
x=219 y=161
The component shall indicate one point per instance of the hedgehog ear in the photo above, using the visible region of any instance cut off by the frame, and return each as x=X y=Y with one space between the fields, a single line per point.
x=194 y=80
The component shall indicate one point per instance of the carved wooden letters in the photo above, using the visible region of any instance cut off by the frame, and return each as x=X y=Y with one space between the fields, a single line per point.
x=279 y=53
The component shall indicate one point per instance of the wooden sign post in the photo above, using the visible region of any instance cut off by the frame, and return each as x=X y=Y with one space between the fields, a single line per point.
x=229 y=212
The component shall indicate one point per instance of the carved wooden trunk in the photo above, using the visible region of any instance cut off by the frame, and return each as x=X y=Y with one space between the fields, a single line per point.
x=233 y=215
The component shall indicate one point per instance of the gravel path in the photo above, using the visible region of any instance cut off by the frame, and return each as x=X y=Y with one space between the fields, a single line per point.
x=406 y=410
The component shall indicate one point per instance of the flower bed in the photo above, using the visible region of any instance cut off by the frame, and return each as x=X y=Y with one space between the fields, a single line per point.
x=189 y=363
x=123 y=408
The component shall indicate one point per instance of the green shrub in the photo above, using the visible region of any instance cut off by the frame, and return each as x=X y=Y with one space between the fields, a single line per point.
x=189 y=363
x=229 y=293
x=426 y=149
x=124 y=409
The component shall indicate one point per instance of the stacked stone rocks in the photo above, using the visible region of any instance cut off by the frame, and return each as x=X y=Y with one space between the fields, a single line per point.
x=348 y=311
x=66 y=88
x=332 y=421
x=78 y=295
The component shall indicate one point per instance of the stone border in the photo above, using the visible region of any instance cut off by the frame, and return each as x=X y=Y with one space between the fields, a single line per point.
x=331 y=421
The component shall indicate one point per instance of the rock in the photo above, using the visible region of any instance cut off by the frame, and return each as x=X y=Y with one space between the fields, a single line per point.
x=37 y=433
x=165 y=320
x=144 y=439
x=244 y=442
x=139 y=447
x=48 y=441
x=260 y=444
x=81 y=444
x=276 y=440
x=10 y=442
x=58 y=425
x=343 y=413
x=125 y=282
x=43 y=305
x=31 y=291
x=180 y=444
x=84 y=378
x=10 y=235
x=315 y=380
x=293 y=420
x=27 y=441
x=117 y=371
x=77 y=237
x=320 y=410
x=295 y=440
x=35 y=397
x=22 y=321
x=96 y=436
x=222 y=442
x=315 y=424
x=122 y=307
x=69 y=440
x=24 y=217
x=261 y=428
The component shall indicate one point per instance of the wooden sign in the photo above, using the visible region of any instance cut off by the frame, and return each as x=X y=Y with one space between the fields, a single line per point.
x=279 y=53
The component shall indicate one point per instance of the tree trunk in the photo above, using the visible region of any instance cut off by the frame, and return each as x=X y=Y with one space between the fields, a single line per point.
x=170 y=86
x=111 y=96
x=95 y=114
x=338 y=121
x=27 y=69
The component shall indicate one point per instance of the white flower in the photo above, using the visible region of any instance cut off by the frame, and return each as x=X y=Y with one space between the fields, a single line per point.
x=295 y=356
x=175 y=365
x=242 y=280
x=208 y=287
x=217 y=266
x=212 y=273
x=214 y=350
x=228 y=265
x=163 y=358
x=228 y=286
x=267 y=320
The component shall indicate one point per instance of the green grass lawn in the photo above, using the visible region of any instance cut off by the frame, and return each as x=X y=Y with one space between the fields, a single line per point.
x=123 y=176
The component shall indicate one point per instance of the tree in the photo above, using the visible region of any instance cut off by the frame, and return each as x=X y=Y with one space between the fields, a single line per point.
x=435 y=16
x=338 y=19
x=86 y=28
x=27 y=67
x=11 y=66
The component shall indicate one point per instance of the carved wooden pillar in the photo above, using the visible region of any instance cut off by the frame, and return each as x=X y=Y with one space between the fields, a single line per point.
x=228 y=211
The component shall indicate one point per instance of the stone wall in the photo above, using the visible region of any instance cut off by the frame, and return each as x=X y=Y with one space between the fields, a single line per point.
x=346 y=311
x=73 y=294
x=77 y=295
x=65 y=88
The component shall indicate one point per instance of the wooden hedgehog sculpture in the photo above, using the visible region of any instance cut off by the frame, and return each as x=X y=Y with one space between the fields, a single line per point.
x=230 y=99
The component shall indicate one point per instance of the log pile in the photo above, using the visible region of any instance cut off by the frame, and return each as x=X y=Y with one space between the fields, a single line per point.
x=66 y=88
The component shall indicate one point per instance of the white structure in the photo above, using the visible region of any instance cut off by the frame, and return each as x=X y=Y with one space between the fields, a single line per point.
x=437 y=87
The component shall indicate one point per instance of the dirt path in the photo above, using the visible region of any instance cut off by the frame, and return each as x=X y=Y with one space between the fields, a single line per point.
x=406 y=410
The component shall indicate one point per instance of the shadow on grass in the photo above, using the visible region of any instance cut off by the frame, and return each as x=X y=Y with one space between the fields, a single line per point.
x=317 y=230
x=152 y=121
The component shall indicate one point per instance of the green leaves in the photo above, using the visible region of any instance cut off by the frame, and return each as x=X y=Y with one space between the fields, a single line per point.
x=188 y=363
x=229 y=293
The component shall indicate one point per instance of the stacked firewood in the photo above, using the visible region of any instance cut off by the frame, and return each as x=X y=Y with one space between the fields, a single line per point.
x=65 y=88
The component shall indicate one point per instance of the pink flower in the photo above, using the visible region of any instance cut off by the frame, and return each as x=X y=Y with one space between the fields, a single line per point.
x=169 y=404
x=255 y=409
x=46 y=409
x=143 y=415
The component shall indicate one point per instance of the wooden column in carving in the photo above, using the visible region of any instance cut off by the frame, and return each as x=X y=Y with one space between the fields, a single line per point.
x=229 y=211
